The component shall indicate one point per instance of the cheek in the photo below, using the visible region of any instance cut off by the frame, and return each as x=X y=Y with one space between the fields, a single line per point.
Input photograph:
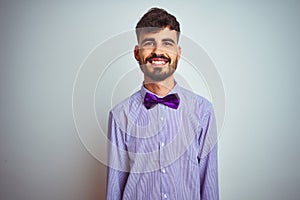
x=174 y=57
x=173 y=53
x=144 y=54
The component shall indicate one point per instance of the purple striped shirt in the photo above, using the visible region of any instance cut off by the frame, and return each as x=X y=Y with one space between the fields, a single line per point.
x=162 y=153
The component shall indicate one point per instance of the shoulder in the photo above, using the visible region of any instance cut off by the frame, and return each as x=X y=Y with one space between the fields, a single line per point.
x=130 y=103
x=194 y=100
x=125 y=113
x=196 y=107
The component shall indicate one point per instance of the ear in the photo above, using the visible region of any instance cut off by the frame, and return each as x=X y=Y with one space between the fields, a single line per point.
x=137 y=52
x=179 y=53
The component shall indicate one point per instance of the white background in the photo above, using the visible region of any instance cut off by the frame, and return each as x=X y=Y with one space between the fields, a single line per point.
x=254 y=45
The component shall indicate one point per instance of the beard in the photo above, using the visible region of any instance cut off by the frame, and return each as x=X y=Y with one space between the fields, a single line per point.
x=159 y=73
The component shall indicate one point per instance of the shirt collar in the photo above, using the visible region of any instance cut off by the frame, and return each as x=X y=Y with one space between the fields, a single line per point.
x=144 y=90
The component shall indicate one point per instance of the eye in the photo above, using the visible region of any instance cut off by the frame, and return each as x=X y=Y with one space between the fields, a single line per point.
x=148 y=43
x=166 y=43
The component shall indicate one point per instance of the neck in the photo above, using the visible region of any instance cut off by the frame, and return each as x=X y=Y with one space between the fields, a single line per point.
x=160 y=88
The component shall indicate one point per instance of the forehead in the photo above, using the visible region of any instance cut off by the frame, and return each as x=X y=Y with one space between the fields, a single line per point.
x=159 y=34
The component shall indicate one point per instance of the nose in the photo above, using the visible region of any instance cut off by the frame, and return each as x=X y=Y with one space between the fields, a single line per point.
x=158 y=49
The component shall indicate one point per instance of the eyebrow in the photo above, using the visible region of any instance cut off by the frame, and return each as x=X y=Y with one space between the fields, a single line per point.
x=153 y=40
x=168 y=40
x=147 y=39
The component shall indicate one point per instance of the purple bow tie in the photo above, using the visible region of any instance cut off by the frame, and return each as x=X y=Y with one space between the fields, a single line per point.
x=171 y=100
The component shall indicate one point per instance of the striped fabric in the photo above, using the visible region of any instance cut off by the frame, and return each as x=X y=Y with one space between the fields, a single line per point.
x=162 y=153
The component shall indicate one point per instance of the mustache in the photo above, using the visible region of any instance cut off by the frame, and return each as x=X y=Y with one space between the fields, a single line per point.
x=158 y=56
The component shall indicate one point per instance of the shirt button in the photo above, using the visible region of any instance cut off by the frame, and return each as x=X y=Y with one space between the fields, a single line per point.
x=161 y=118
x=164 y=195
x=163 y=170
x=162 y=144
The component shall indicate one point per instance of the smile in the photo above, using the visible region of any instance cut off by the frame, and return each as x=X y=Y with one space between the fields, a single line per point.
x=158 y=61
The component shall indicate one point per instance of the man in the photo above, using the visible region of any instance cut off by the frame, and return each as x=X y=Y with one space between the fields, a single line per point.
x=162 y=139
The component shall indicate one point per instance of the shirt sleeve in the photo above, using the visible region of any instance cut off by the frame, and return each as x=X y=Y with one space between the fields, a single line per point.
x=209 y=188
x=116 y=170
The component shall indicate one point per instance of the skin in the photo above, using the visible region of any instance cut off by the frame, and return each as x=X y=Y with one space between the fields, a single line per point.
x=158 y=54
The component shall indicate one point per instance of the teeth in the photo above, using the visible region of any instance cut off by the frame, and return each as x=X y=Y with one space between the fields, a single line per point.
x=159 y=62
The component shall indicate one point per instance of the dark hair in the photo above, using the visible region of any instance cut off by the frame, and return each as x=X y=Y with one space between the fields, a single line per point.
x=157 y=18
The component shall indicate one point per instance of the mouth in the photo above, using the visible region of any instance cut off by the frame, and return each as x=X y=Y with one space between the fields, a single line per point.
x=158 y=61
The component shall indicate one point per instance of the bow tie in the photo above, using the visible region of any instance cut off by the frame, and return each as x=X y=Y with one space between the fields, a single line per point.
x=171 y=100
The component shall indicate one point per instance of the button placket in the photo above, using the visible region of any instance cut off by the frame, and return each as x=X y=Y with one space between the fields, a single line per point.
x=162 y=144
x=164 y=196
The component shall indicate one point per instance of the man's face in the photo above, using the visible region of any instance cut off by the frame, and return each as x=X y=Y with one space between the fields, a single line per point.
x=158 y=53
